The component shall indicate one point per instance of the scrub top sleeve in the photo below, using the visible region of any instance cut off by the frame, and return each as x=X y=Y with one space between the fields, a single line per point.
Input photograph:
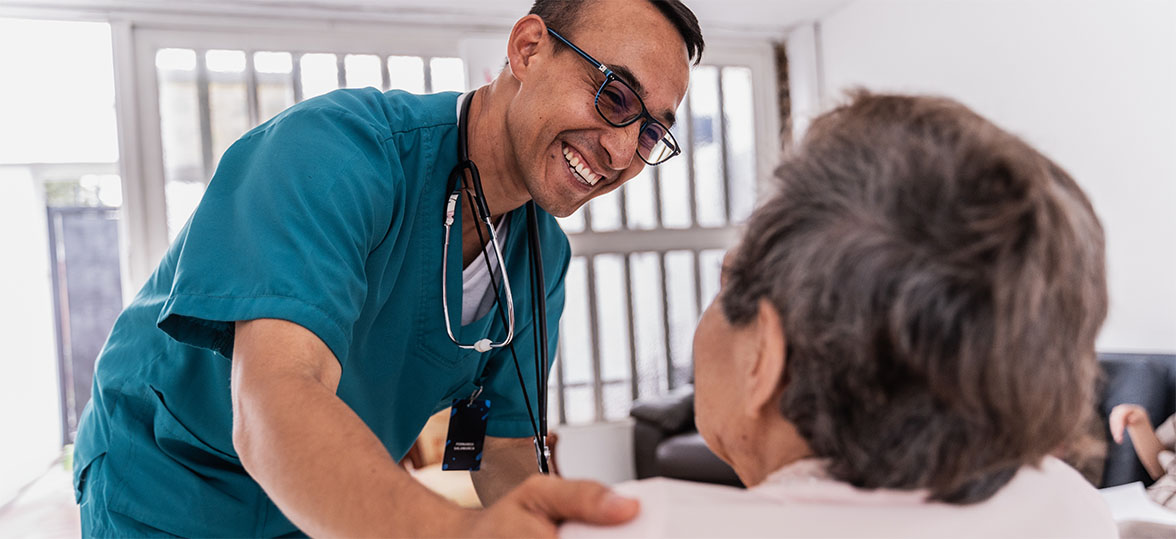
x=509 y=417
x=284 y=231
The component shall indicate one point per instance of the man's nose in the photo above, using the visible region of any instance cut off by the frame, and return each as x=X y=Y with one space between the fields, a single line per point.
x=621 y=145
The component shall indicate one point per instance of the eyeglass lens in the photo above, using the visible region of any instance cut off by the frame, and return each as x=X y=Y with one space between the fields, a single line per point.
x=617 y=103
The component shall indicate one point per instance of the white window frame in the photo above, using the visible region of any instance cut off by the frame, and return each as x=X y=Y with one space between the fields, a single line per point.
x=140 y=137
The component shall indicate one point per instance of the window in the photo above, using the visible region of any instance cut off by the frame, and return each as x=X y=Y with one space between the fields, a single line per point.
x=208 y=98
x=646 y=257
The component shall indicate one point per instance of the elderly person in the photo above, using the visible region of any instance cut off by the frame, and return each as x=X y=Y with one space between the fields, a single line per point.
x=903 y=336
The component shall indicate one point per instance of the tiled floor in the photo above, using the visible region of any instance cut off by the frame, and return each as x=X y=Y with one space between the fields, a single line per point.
x=44 y=510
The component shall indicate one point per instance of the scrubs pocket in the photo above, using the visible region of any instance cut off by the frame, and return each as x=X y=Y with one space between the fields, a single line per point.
x=81 y=475
x=171 y=480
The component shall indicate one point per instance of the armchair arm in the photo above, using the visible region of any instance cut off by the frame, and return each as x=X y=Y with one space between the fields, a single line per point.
x=659 y=418
x=672 y=413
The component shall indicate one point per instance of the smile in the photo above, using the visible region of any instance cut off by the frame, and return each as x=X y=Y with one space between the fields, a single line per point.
x=580 y=168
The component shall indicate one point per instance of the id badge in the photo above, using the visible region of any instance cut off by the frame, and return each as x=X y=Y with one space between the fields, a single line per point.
x=467 y=434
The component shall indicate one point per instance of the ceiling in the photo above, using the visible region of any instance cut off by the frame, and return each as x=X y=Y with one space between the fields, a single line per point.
x=749 y=18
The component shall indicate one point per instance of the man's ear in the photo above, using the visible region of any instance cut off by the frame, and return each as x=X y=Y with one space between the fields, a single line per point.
x=767 y=369
x=524 y=43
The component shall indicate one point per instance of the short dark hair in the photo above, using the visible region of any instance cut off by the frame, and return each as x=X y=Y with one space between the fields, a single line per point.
x=940 y=285
x=562 y=15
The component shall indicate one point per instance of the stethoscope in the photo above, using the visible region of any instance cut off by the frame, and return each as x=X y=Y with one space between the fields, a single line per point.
x=478 y=207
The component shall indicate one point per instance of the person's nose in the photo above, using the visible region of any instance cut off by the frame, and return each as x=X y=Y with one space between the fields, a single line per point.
x=621 y=145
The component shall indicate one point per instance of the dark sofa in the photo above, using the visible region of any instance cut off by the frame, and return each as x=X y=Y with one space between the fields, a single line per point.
x=667 y=444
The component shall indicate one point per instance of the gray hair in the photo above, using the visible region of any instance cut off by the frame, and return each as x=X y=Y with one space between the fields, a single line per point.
x=940 y=285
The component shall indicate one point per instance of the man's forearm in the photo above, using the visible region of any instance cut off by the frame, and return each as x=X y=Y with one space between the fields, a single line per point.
x=329 y=474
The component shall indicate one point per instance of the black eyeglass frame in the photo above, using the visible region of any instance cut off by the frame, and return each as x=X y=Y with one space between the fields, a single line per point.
x=610 y=76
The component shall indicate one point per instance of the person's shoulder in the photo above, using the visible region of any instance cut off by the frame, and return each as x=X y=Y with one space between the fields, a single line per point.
x=1053 y=473
x=670 y=506
x=406 y=112
x=666 y=488
x=1057 y=499
x=364 y=112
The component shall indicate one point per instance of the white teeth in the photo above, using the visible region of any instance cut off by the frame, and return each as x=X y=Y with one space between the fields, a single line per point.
x=581 y=168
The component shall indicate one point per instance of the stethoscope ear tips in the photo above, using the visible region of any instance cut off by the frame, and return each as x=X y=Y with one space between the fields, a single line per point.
x=482 y=345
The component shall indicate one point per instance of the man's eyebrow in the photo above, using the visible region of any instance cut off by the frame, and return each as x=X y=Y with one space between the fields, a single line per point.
x=626 y=75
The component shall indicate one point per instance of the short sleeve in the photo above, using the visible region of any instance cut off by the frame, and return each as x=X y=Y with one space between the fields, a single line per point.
x=509 y=416
x=284 y=230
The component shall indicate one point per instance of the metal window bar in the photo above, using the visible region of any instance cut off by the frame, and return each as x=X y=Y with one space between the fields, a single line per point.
x=689 y=154
x=205 y=111
x=665 y=297
x=721 y=128
x=594 y=336
x=657 y=198
x=586 y=210
x=561 y=384
x=253 y=105
x=296 y=75
x=428 y=73
x=696 y=259
x=627 y=287
x=623 y=201
x=385 y=74
x=579 y=385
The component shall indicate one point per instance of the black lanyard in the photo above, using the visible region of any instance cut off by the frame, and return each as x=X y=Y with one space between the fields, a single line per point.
x=481 y=212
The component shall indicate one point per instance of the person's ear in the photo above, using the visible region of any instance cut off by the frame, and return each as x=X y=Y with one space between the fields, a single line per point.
x=767 y=368
x=524 y=43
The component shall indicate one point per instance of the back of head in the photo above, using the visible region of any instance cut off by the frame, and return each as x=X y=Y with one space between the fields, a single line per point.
x=940 y=284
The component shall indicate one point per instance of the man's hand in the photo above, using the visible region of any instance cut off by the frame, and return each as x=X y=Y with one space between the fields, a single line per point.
x=541 y=503
x=1125 y=416
x=330 y=474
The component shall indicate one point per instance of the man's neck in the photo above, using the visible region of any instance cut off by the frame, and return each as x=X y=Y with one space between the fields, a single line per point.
x=490 y=150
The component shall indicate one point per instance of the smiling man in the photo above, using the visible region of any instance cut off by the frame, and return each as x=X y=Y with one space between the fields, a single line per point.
x=298 y=334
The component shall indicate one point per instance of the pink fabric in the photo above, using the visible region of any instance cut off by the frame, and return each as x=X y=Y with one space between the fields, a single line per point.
x=799 y=500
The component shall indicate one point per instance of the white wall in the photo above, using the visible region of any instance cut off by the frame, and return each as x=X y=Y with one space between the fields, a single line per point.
x=600 y=451
x=56 y=106
x=1092 y=84
x=30 y=417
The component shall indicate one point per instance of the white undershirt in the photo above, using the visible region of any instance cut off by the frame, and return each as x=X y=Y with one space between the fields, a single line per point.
x=476 y=296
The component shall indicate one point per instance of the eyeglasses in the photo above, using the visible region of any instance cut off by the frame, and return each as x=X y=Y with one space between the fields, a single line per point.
x=620 y=106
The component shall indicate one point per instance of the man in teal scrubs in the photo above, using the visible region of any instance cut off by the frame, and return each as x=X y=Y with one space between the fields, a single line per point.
x=291 y=344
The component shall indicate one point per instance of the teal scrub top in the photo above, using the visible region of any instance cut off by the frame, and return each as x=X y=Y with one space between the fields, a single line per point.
x=329 y=216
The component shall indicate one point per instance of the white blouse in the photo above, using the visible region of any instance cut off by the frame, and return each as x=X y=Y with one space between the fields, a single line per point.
x=800 y=500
